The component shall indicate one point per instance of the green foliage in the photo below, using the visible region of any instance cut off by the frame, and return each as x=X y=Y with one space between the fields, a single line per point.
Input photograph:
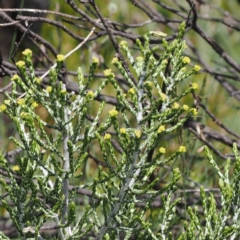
x=44 y=184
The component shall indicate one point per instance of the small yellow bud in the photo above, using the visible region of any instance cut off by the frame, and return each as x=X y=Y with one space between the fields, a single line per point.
x=7 y=102
x=20 y=101
x=183 y=69
x=195 y=86
x=123 y=131
x=38 y=80
x=194 y=111
x=20 y=64
x=90 y=94
x=49 y=89
x=131 y=91
x=158 y=34
x=15 y=77
x=139 y=59
x=95 y=60
x=34 y=104
x=161 y=129
x=16 y=168
x=113 y=113
x=27 y=52
x=186 y=60
x=60 y=58
x=149 y=84
x=108 y=73
x=123 y=43
x=165 y=62
x=163 y=97
x=114 y=60
x=162 y=150
x=107 y=136
x=182 y=149
x=63 y=91
x=185 y=107
x=138 y=133
x=3 y=108
x=176 y=105
x=197 y=68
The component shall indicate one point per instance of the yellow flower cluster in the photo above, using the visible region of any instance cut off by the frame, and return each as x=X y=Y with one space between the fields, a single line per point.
x=90 y=94
x=95 y=60
x=139 y=59
x=176 y=106
x=16 y=168
x=108 y=73
x=113 y=113
x=195 y=86
x=182 y=149
x=131 y=91
x=197 y=68
x=163 y=97
x=123 y=43
x=27 y=52
x=107 y=136
x=15 y=77
x=60 y=58
x=185 y=107
x=138 y=133
x=3 y=107
x=114 y=60
x=20 y=64
x=123 y=131
x=20 y=101
x=162 y=150
x=49 y=89
x=186 y=60
x=161 y=129
x=34 y=104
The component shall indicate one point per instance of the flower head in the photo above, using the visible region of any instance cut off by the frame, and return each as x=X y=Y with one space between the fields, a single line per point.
x=27 y=52
x=108 y=73
x=15 y=77
x=20 y=64
x=185 y=107
x=95 y=60
x=176 y=106
x=195 y=86
x=49 y=89
x=138 y=133
x=163 y=97
x=3 y=107
x=38 y=80
x=123 y=43
x=162 y=150
x=114 y=60
x=20 y=101
x=113 y=112
x=90 y=94
x=139 y=59
x=34 y=104
x=7 y=102
x=107 y=136
x=123 y=130
x=131 y=91
x=60 y=58
x=16 y=168
x=161 y=129
x=186 y=60
x=196 y=68
x=182 y=149
x=194 y=111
